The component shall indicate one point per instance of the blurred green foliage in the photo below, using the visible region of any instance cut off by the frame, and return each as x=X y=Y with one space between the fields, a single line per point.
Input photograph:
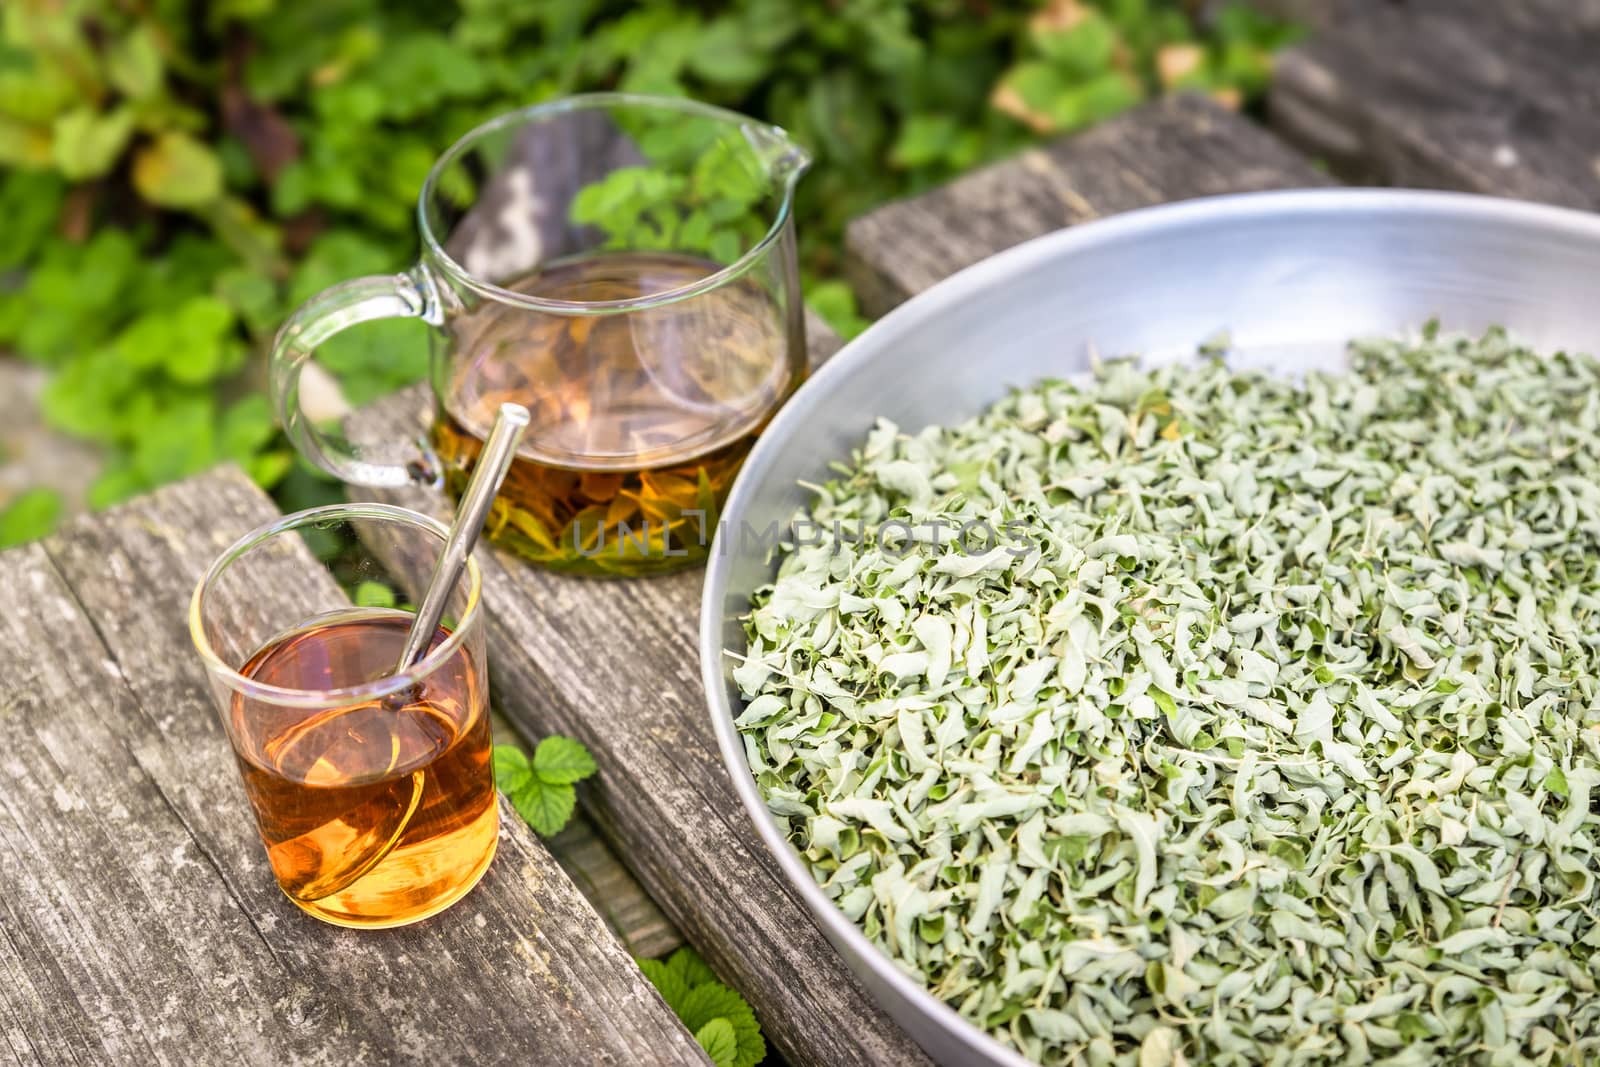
x=180 y=173
x=701 y=193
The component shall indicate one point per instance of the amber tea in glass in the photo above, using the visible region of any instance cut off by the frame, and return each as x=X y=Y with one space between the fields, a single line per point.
x=372 y=790
x=625 y=268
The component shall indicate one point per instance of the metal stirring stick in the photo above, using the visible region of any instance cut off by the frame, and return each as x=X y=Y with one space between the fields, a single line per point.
x=493 y=462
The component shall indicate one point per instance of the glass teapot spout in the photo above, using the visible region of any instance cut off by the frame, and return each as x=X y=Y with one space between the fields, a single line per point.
x=783 y=160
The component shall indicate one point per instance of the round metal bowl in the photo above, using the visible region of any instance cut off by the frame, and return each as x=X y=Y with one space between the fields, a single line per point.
x=1292 y=276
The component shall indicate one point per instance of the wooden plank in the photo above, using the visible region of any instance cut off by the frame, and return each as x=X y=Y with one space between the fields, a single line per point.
x=101 y=885
x=1487 y=98
x=141 y=920
x=614 y=663
x=1171 y=149
x=1320 y=14
x=617 y=666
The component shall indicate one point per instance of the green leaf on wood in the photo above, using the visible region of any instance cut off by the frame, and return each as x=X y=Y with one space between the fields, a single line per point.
x=690 y=968
x=669 y=982
x=511 y=770
x=29 y=517
x=562 y=761
x=704 y=1006
x=713 y=1000
x=541 y=789
x=546 y=807
x=720 y=1042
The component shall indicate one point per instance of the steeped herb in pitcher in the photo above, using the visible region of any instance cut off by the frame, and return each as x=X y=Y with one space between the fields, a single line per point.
x=640 y=420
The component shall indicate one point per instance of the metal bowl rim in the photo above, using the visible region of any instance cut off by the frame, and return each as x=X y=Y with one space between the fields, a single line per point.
x=1467 y=208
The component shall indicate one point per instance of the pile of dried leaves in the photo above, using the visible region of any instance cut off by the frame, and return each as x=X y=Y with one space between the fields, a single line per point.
x=1274 y=741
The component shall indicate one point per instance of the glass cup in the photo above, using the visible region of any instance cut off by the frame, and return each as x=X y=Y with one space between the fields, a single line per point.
x=624 y=267
x=373 y=788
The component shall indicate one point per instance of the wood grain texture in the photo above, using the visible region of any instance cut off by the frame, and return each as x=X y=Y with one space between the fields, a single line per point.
x=1172 y=149
x=614 y=663
x=1316 y=14
x=1499 y=98
x=101 y=885
x=1320 y=14
x=141 y=922
x=612 y=890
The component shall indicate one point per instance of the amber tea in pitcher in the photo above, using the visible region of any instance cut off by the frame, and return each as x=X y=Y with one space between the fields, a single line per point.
x=639 y=421
x=623 y=266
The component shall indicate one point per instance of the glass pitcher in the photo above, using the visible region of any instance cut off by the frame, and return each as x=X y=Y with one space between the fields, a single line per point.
x=625 y=267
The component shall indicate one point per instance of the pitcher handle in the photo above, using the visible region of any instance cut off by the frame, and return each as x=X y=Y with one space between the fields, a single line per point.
x=388 y=296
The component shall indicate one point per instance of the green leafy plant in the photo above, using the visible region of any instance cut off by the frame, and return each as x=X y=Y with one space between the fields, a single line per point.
x=717 y=1016
x=541 y=789
x=702 y=193
x=32 y=514
x=1080 y=62
x=371 y=594
x=180 y=174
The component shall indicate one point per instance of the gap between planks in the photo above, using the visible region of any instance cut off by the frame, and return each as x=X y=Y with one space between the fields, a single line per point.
x=599 y=875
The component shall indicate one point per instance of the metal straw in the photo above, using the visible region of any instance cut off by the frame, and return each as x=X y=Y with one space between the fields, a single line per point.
x=493 y=462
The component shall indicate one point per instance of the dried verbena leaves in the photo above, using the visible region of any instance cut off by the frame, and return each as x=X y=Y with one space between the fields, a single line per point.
x=1281 y=746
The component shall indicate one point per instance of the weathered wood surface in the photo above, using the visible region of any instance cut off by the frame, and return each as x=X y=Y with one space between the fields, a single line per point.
x=1320 y=14
x=1499 y=98
x=1172 y=149
x=139 y=921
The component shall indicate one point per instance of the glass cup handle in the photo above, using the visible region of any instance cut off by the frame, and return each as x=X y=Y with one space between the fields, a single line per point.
x=388 y=296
